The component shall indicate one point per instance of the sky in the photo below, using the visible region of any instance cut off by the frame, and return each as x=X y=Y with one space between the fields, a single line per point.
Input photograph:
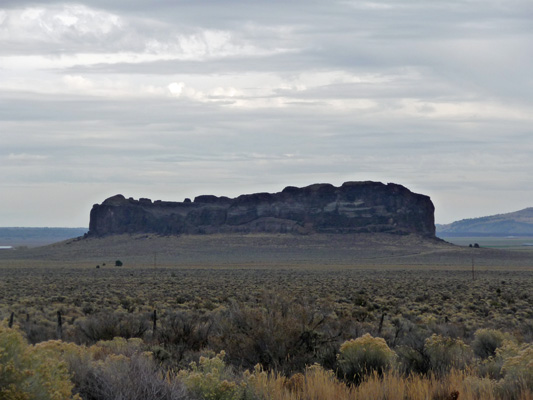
x=171 y=99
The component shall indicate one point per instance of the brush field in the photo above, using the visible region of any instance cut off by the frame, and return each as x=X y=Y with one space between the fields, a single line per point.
x=286 y=303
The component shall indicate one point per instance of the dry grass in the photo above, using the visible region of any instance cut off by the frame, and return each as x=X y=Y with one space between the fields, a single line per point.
x=320 y=384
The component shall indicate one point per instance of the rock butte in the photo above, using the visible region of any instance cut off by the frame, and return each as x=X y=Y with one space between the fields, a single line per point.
x=354 y=207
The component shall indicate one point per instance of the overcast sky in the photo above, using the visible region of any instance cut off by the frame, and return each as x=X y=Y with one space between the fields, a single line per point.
x=171 y=99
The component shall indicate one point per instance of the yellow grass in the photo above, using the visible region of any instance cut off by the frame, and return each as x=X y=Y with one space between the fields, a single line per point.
x=320 y=384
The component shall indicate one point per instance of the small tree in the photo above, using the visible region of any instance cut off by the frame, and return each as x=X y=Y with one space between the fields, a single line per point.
x=118 y=263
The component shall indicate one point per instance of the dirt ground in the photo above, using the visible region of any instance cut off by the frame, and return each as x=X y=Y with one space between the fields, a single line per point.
x=268 y=251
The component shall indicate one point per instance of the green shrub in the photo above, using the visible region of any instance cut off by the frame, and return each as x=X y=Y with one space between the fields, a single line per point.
x=31 y=372
x=486 y=341
x=119 y=369
x=267 y=332
x=106 y=326
x=446 y=353
x=120 y=377
x=364 y=355
x=183 y=332
x=517 y=368
x=412 y=360
x=410 y=349
x=210 y=379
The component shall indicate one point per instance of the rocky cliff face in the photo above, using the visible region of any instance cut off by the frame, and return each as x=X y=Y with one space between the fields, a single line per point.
x=322 y=208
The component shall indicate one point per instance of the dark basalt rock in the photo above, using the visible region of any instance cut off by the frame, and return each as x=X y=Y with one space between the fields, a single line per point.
x=322 y=208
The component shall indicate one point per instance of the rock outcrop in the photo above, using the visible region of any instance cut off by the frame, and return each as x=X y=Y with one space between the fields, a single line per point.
x=322 y=208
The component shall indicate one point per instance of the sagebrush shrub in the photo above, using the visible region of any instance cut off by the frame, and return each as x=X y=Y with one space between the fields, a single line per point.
x=364 y=355
x=102 y=326
x=486 y=341
x=281 y=335
x=119 y=369
x=211 y=379
x=183 y=332
x=517 y=367
x=121 y=377
x=446 y=353
x=31 y=372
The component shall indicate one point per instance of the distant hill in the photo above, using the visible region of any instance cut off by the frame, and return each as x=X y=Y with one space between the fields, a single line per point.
x=518 y=223
x=32 y=237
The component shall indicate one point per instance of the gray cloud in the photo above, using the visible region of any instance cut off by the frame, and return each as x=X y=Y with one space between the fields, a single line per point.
x=188 y=98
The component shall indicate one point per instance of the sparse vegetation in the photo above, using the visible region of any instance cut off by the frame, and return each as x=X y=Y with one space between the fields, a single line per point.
x=273 y=333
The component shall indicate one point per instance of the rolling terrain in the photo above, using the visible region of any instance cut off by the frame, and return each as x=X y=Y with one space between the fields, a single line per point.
x=518 y=223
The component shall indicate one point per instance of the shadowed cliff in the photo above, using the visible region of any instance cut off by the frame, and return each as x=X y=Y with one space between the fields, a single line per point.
x=354 y=207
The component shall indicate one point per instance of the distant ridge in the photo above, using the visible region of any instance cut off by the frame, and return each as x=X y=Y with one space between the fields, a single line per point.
x=518 y=223
x=18 y=236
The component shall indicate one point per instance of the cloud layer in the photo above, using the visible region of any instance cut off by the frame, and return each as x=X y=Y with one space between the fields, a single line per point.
x=187 y=98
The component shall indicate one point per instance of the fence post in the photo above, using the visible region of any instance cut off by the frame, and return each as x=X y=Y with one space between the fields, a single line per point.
x=59 y=330
x=381 y=323
x=154 y=319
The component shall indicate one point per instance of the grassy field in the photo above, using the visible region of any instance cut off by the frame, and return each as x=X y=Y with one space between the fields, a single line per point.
x=286 y=302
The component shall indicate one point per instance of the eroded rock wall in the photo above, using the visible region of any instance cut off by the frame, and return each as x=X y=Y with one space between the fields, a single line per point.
x=322 y=208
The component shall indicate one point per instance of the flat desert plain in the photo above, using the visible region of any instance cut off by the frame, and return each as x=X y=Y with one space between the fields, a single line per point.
x=270 y=251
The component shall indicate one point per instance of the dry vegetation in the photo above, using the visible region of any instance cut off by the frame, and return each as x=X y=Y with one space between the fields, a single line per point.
x=403 y=322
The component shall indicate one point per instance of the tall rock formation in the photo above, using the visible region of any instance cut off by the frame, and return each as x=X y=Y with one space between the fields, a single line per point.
x=322 y=208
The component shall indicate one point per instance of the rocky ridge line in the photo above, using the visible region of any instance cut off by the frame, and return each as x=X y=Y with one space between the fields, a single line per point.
x=354 y=207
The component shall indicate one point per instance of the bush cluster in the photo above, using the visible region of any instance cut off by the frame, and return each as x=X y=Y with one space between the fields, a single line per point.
x=31 y=371
x=125 y=369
